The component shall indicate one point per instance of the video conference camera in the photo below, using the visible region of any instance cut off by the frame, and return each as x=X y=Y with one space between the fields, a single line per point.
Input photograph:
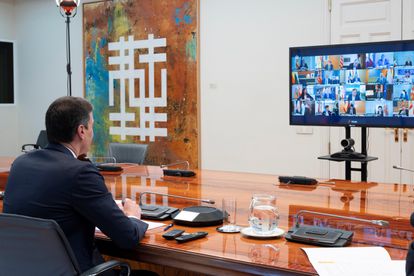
x=347 y=143
x=348 y=151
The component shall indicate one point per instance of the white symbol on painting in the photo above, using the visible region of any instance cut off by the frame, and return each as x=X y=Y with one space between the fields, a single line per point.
x=127 y=73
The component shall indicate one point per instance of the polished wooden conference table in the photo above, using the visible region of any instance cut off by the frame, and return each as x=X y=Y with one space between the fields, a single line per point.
x=235 y=254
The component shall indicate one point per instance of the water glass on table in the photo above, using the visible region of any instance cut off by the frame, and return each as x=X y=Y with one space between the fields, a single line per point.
x=229 y=209
x=264 y=215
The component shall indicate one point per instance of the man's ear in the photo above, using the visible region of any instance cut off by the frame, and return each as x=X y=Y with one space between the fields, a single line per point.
x=81 y=131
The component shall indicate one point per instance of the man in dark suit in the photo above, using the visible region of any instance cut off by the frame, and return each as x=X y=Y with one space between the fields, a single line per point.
x=327 y=112
x=351 y=109
x=409 y=264
x=53 y=184
x=382 y=79
x=329 y=65
x=403 y=111
x=354 y=96
x=380 y=111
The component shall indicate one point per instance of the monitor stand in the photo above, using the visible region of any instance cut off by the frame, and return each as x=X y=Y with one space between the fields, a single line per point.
x=363 y=161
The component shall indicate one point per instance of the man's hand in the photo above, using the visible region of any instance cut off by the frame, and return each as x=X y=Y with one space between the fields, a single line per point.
x=130 y=208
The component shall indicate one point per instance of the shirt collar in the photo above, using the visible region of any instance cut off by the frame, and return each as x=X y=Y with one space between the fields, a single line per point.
x=71 y=151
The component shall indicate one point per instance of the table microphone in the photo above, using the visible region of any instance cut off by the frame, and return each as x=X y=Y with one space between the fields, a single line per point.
x=324 y=236
x=209 y=201
x=383 y=223
x=402 y=168
x=177 y=163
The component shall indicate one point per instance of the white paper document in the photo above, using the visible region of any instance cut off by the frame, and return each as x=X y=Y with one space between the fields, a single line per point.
x=151 y=225
x=355 y=261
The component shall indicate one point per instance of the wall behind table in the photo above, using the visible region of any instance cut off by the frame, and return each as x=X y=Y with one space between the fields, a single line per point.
x=243 y=73
x=40 y=31
x=244 y=85
x=8 y=113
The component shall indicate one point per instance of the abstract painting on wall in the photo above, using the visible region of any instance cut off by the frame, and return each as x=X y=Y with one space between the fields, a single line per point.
x=141 y=75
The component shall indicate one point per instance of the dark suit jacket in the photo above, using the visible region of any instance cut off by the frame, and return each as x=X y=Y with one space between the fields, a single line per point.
x=409 y=265
x=403 y=112
x=52 y=184
x=357 y=97
x=351 y=110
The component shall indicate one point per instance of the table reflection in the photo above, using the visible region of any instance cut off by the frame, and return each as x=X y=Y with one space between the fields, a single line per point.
x=138 y=179
x=264 y=253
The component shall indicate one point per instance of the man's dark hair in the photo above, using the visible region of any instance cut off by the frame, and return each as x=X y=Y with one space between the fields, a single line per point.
x=64 y=116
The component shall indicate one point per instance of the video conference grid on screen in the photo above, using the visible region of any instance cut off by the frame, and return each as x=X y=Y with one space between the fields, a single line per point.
x=353 y=88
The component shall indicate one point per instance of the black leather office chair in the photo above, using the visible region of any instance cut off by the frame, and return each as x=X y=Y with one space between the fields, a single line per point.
x=128 y=153
x=41 y=142
x=33 y=246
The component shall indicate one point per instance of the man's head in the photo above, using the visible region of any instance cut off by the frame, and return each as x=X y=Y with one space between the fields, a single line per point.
x=354 y=92
x=68 y=120
x=379 y=108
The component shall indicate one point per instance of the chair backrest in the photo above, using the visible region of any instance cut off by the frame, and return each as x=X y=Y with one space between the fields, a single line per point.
x=33 y=246
x=128 y=153
x=42 y=140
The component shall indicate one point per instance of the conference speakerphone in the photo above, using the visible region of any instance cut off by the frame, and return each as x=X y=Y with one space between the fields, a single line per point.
x=204 y=216
x=298 y=180
x=320 y=236
x=157 y=212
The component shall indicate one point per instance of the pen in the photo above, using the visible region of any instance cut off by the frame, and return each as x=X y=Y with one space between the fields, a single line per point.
x=327 y=182
x=168 y=226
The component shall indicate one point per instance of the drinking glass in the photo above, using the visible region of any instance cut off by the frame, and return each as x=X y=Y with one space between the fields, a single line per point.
x=229 y=209
x=264 y=215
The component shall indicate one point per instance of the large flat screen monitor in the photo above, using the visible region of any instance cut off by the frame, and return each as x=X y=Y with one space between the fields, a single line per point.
x=364 y=84
x=6 y=73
